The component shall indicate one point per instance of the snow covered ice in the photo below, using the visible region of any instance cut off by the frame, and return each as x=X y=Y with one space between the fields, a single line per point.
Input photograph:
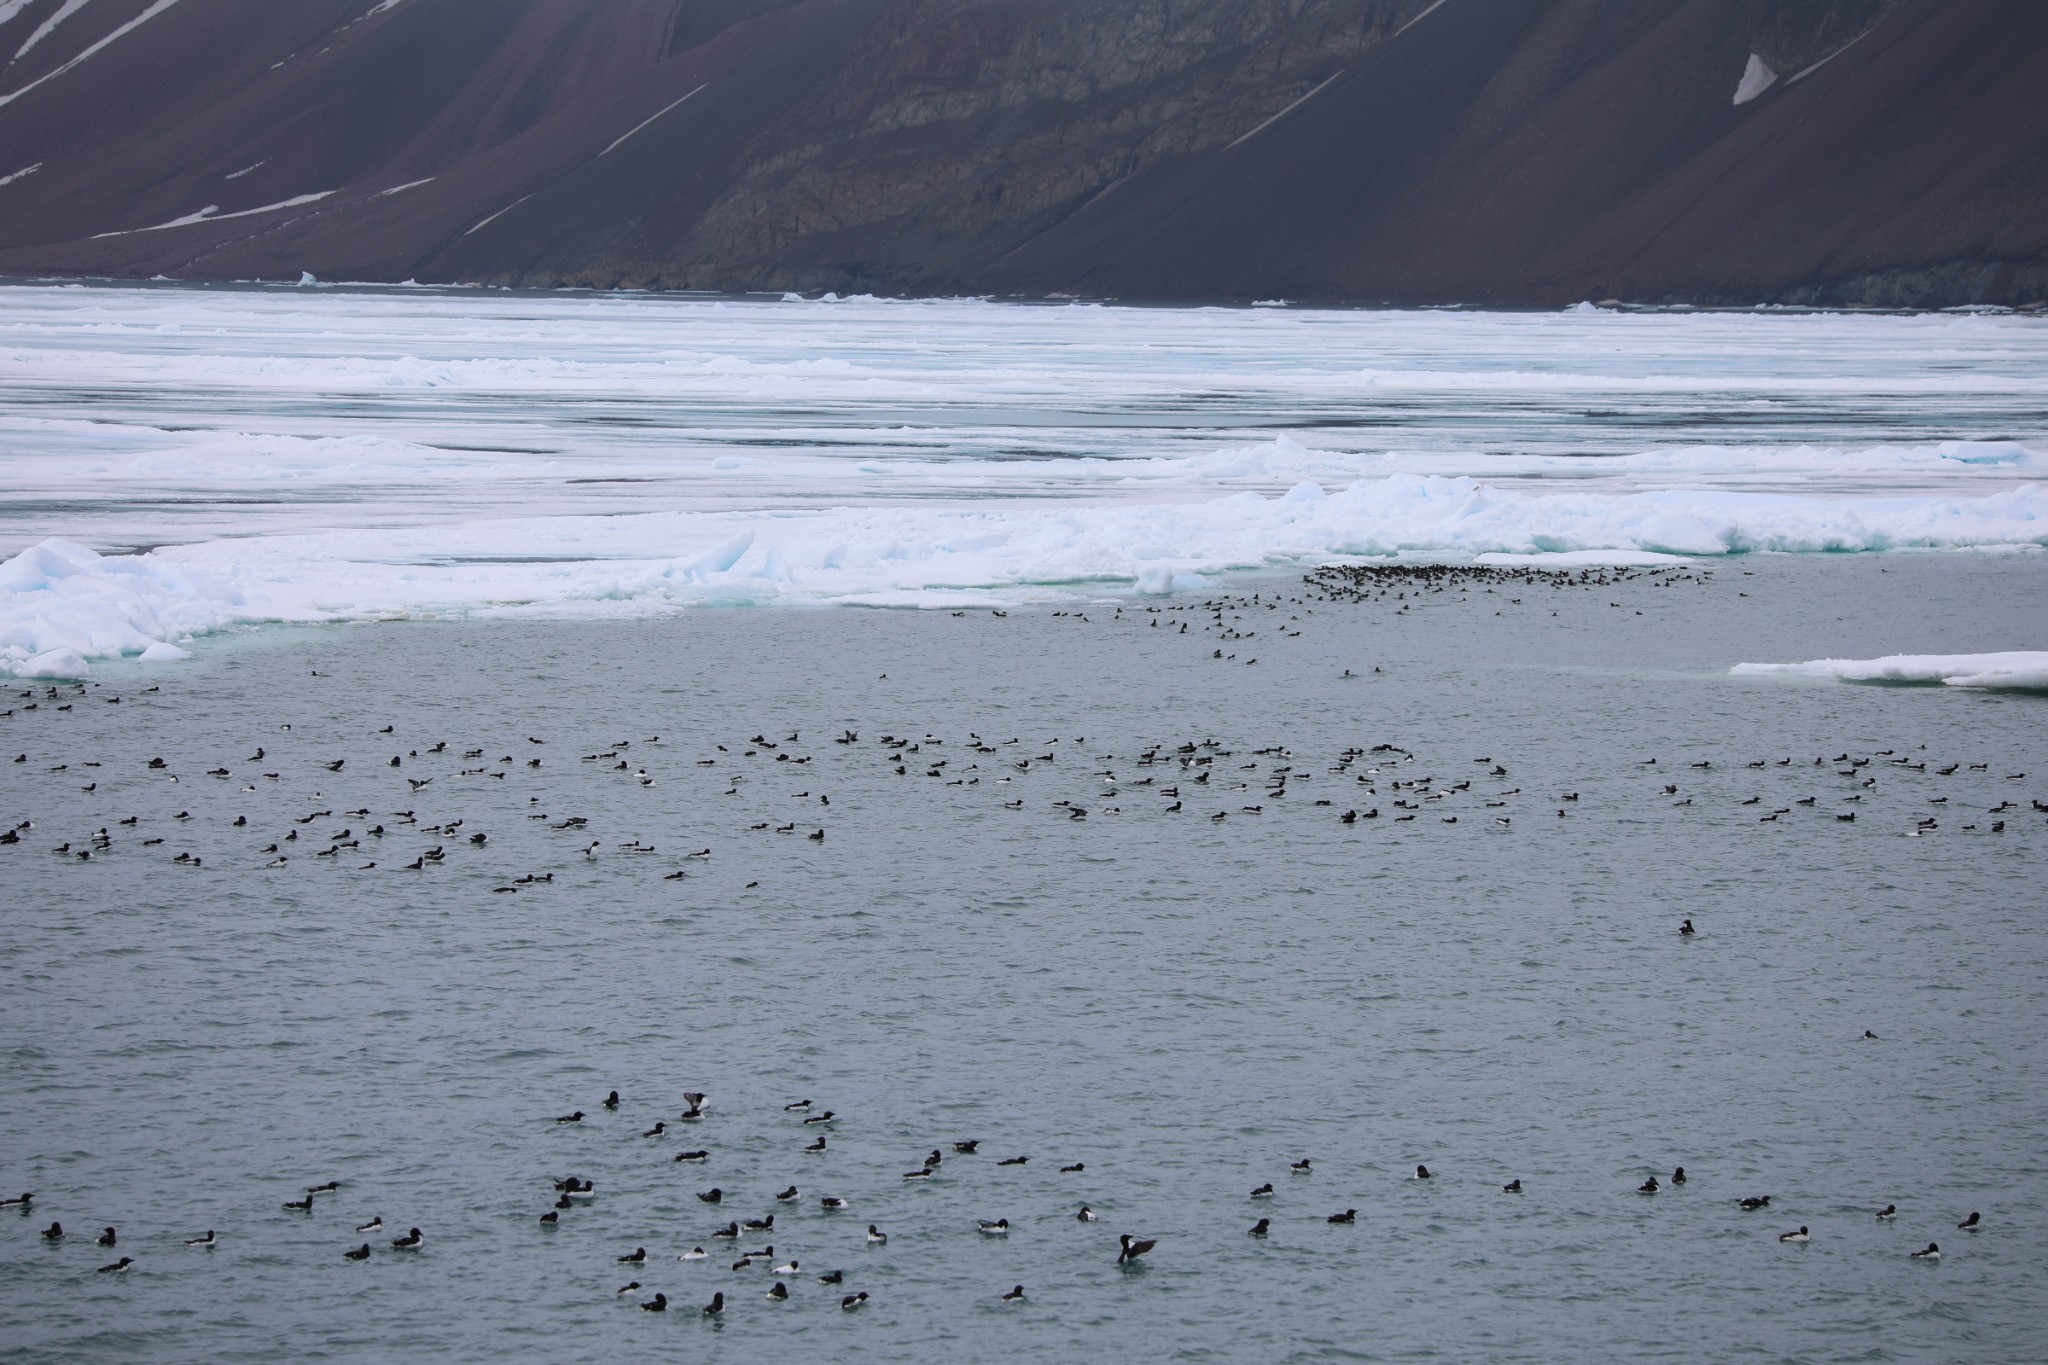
x=180 y=461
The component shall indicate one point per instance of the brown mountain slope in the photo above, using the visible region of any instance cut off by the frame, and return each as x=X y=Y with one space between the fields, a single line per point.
x=1889 y=151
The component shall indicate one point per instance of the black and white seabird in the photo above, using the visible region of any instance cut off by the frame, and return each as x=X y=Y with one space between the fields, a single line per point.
x=1513 y=1186
x=119 y=1267
x=1887 y=1213
x=361 y=1253
x=1678 y=1176
x=1086 y=1215
x=716 y=1306
x=657 y=1304
x=999 y=1228
x=410 y=1242
x=1649 y=1186
x=1300 y=1167
x=206 y=1241
x=631 y=1287
x=1014 y=1295
x=1930 y=1252
x=1799 y=1236
x=876 y=1236
x=777 y=1292
x=712 y=1195
x=1967 y=1225
x=374 y=1225
x=20 y=1203
x=300 y=1205
x=638 y=1257
x=1348 y=1216
x=576 y=1117
x=788 y=1196
x=1422 y=1173
x=831 y=1202
x=1264 y=1191
x=1133 y=1248
x=853 y=1301
x=695 y=1254
x=1753 y=1203
x=107 y=1238
x=832 y=1277
x=1261 y=1228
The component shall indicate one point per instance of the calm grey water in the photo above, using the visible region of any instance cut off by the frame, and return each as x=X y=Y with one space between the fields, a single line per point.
x=1182 y=1004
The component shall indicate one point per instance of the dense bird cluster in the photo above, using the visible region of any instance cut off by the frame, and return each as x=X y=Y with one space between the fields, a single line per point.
x=1372 y=582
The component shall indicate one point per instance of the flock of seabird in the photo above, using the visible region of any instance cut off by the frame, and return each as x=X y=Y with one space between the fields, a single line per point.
x=785 y=1269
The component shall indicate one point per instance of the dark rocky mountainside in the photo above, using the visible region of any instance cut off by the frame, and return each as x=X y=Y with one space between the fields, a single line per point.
x=1483 y=151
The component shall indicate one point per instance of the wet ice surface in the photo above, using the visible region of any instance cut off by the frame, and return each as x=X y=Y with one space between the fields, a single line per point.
x=1183 y=1005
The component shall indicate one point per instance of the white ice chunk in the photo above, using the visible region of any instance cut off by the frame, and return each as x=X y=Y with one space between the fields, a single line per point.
x=55 y=663
x=163 y=652
x=2014 y=669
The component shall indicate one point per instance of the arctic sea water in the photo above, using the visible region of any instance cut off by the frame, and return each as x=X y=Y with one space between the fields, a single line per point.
x=1179 y=1003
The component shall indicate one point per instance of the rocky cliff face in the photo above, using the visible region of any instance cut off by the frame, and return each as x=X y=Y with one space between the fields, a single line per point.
x=1834 y=151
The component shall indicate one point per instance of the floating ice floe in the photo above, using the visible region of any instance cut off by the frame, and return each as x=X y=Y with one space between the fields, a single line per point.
x=58 y=595
x=2017 y=670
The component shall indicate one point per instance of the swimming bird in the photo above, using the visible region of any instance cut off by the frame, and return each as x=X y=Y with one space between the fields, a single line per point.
x=1013 y=1161
x=1799 y=1236
x=656 y=1131
x=853 y=1301
x=712 y=1195
x=788 y=1196
x=638 y=1257
x=410 y=1242
x=105 y=1239
x=550 y=1218
x=20 y=1203
x=922 y=1173
x=361 y=1253
x=832 y=1277
x=1300 y=1167
x=1348 y=1216
x=759 y=1224
x=207 y=1241
x=1968 y=1224
x=825 y=1117
x=1086 y=1215
x=1260 y=1228
x=631 y=1287
x=1649 y=1186
x=1685 y=930
x=119 y=1267
x=831 y=1203
x=374 y=1225
x=729 y=1231
x=1014 y=1295
x=1930 y=1252
x=657 y=1304
x=967 y=1148
x=1074 y=1169
x=611 y=1101
x=54 y=1232
x=1678 y=1176
x=777 y=1292
x=1753 y=1203
x=695 y=1254
x=817 y=1146
x=699 y=1155
x=876 y=1237
x=576 y=1117
x=300 y=1205
x=1133 y=1248
x=1513 y=1186
x=789 y=1268
x=1887 y=1213
x=999 y=1228
x=1264 y=1191
x=1422 y=1173
x=716 y=1306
